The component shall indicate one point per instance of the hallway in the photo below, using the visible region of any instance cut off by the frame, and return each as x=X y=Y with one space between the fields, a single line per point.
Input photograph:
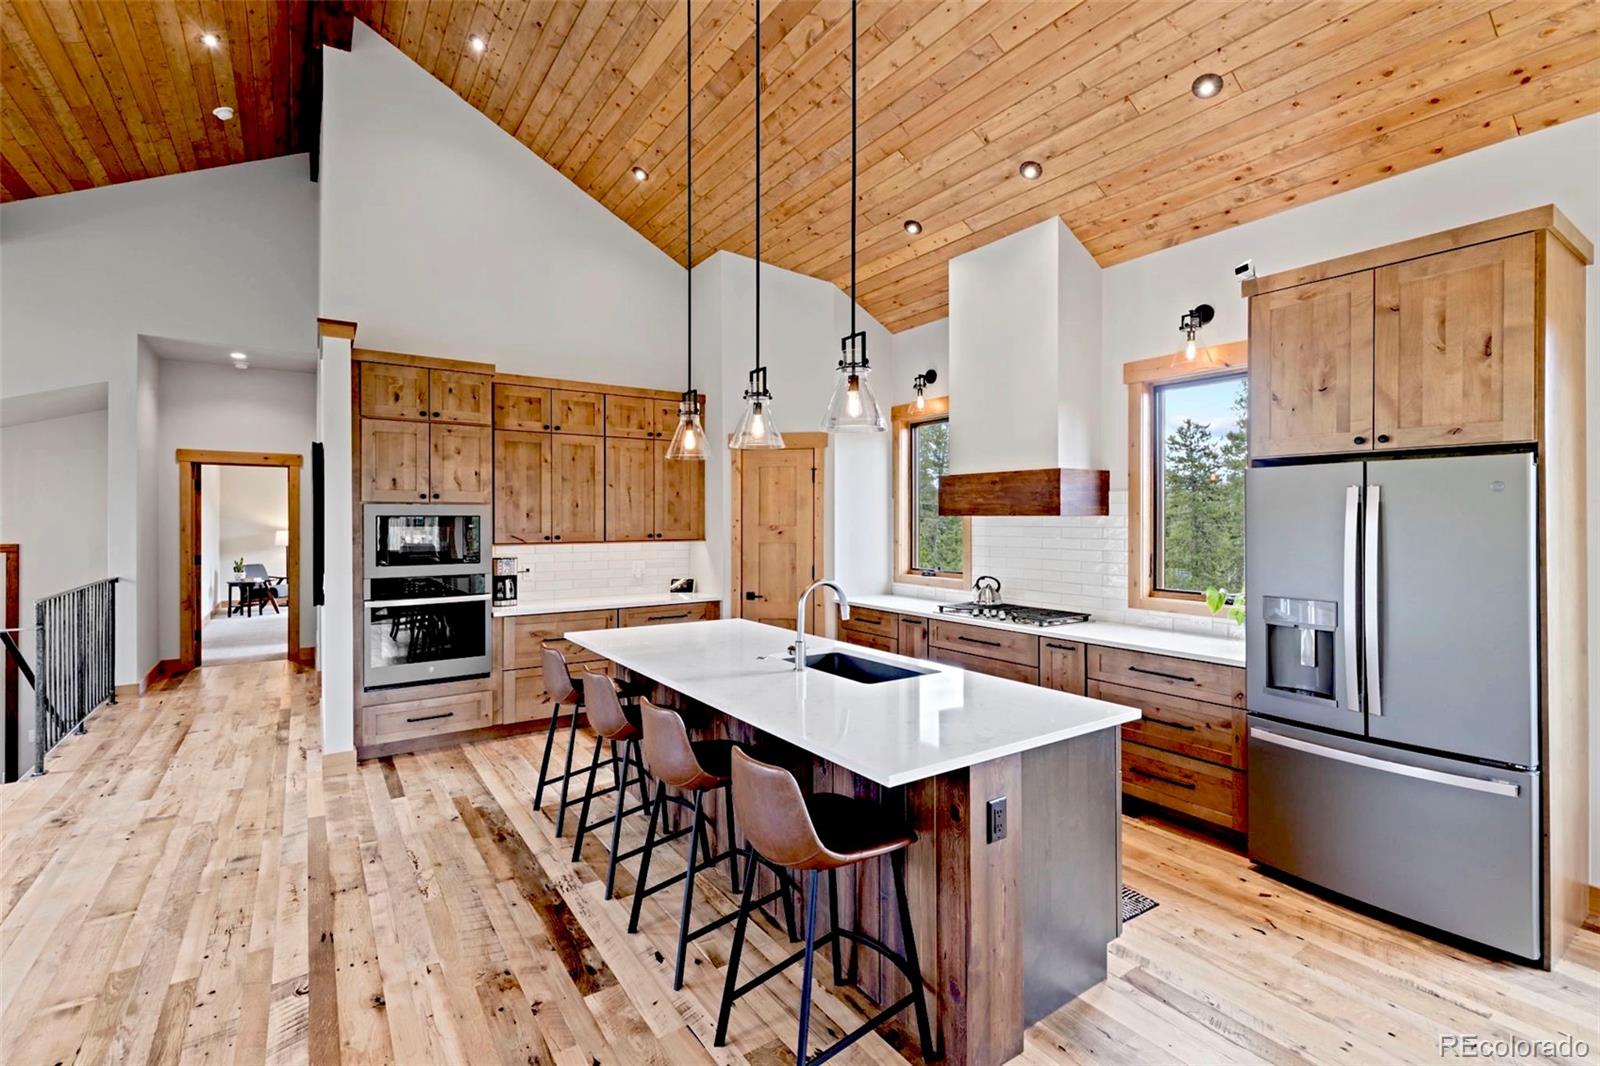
x=189 y=881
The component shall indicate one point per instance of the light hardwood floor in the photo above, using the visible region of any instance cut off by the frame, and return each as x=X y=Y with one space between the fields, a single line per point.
x=186 y=883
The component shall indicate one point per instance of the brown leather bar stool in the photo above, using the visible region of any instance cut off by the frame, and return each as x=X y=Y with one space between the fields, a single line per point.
x=620 y=725
x=695 y=768
x=561 y=689
x=818 y=833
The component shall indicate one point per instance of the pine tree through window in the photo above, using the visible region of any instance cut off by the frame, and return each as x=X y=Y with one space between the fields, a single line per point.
x=936 y=540
x=1201 y=433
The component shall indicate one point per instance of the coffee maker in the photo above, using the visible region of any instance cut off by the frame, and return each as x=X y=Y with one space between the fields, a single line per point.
x=505 y=581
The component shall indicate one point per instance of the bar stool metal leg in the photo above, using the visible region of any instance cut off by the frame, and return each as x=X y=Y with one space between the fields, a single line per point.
x=730 y=985
x=566 y=778
x=544 y=762
x=733 y=837
x=688 y=894
x=804 y=1038
x=631 y=760
x=833 y=917
x=588 y=795
x=644 y=858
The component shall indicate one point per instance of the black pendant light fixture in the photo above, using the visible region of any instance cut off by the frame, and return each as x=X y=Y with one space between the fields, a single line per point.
x=853 y=406
x=689 y=439
x=756 y=428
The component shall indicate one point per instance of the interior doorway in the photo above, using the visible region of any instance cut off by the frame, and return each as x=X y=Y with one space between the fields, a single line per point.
x=776 y=538
x=256 y=593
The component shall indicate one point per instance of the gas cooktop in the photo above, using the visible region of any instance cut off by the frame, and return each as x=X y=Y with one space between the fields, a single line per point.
x=1011 y=612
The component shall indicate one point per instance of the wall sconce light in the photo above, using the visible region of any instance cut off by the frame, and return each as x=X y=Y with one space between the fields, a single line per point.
x=1190 y=324
x=921 y=382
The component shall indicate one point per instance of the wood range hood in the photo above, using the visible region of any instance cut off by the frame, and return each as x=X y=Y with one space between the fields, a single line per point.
x=1025 y=355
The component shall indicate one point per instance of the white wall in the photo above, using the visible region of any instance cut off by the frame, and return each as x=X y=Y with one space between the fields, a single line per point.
x=335 y=617
x=917 y=350
x=444 y=235
x=227 y=256
x=253 y=506
x=61 y=535
x=205 y=405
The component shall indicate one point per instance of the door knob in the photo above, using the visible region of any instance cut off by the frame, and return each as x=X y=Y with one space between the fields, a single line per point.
x=751 y=596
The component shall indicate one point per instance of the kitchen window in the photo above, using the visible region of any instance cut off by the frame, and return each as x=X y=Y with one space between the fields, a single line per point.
x=930 y=549
x=1189 y=433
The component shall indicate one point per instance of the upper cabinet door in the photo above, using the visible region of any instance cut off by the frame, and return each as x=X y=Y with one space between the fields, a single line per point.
x=577 y=412
x=394 y=461
x=462 y=397
x=680 y=496
x=461 y=469
x=630 y=416
x=389 y=391
x=629 y=495
x=1311 y=368
x=521 y=487
x=1455 y=347
x=577 y=489
x=521 y=407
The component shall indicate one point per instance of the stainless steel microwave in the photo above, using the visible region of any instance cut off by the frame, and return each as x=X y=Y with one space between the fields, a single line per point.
x=404 y=539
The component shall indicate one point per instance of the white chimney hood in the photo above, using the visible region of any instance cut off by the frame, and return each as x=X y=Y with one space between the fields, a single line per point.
x=1025 y=378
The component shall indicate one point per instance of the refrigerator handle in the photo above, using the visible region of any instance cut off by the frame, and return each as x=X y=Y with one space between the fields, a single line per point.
x=1352 y=669
x=1370 y=601
x=1421 y=773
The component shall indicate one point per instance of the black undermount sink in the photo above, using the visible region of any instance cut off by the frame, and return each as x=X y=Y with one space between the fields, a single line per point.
x=855 y=668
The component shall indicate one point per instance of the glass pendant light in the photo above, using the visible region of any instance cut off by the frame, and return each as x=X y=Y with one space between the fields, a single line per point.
x=853 y=405
x=757 y=429
x=689 y=439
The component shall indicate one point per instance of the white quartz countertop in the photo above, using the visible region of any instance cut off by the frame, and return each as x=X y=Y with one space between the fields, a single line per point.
x=893 y=732
x=1221 y=650
x=608 y=603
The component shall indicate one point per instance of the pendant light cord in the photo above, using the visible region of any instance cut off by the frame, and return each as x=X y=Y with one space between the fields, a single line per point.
x=853 y=91
x=758 y=187
x=688 y=196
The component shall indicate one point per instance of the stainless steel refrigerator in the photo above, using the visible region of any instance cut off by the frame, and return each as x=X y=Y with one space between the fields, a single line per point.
x=1393 y=687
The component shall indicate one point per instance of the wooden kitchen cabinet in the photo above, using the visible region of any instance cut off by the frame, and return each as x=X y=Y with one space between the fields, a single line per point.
x=521 y=407
x=394 y=392
x=521 y=487
x=574 y=411
x=629 y=497
x=1062 y=665
x=577 y=488
x=631 y=416
x=678 y=490
x=668 y=614
x=914 y=637
x=394 y=461
x=1311 y=367
x=461 y=396
x=1454 y=343
x=523 y=641
x=461 y=464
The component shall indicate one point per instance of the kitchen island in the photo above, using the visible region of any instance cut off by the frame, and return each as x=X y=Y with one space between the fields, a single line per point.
x=1012 y=913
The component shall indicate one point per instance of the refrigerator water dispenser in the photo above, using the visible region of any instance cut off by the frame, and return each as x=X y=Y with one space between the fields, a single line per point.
x=1300 y=646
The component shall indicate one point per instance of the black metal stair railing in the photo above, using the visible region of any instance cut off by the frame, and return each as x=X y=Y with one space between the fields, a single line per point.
x=76 y=644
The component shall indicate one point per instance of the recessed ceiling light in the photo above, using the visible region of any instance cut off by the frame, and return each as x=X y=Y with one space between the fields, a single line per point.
x=913 y=227
x=1206 y=86
x=477 y=44
x=237 y=355
x=639 y=173
x=1030 y=170
x=241 y=365
x=210 y=40
x=225 y=113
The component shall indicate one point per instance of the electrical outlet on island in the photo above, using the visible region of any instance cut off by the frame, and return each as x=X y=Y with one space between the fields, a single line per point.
x=997 y=819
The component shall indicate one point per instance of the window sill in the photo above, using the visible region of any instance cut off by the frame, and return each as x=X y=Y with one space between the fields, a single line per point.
x=1173 y=605
x=958 y=582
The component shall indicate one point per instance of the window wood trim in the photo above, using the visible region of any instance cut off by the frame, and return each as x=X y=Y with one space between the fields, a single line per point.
x=1142 y=377
x=902 y=418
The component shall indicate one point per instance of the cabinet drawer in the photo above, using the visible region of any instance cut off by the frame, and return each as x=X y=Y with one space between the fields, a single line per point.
x=668 y=613
x=979 y=664
x=869 y=640
x=1201 y=790
x=871 y=620
x=1163 y=673
x=526 y=634
x=425 y=718
x=523 y=697
x=990 y=643
x=1205 y=731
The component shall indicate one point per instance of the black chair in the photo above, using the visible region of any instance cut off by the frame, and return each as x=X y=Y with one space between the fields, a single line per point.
x=265 y=592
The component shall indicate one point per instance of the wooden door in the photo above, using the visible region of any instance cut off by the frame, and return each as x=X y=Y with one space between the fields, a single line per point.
x=458 y=396
x=630 y=416
x=1062 y=666
x=394 y=461
x=577 y=412
x=1454 y=344
x=630 y=492
x=679 y=497
x=521 y=407
x=397 y=392
x=461 y=469
x=777 y=541
x=1311 y=368
x=577 y=489
x=521 y=487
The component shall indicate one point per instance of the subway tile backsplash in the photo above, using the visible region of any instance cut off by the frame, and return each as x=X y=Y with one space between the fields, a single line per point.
x=1079 y=563
x=576 y=571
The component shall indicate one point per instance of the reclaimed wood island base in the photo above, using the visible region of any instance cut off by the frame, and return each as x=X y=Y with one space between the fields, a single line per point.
x=1008 y=929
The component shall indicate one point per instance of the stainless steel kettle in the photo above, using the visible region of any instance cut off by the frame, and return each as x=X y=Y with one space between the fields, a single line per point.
x=987 y=590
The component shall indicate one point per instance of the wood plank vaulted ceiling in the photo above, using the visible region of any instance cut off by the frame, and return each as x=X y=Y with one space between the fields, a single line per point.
x=1318 y=97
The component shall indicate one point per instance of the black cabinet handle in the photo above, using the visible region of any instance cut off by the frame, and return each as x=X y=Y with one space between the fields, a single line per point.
x=422 y=495
x=1174 y=725
x=547 y=425
x=558 y=536
x=422 y=414
x=1361 y=440
x=1161 y=673
x=1383 y=438
x=975 y=640
x=436 y=495
x=436 y=414
x=1136 y=772
x=547 y=536
x=432 y=717
x=666 y=617
x=1062 y=647
x=558 y=427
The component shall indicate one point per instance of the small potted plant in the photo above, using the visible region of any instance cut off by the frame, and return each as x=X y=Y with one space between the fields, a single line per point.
x=238 y=566
x=1218 y=599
